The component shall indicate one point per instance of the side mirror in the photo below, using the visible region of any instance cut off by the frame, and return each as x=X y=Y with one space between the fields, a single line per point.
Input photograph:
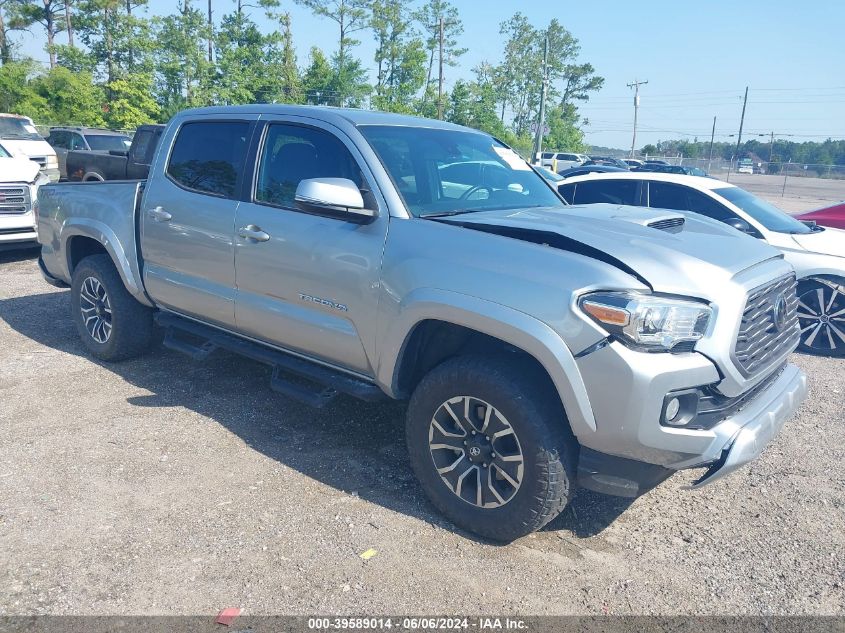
x=339 y=197
x=119 y=152
x=741 y=225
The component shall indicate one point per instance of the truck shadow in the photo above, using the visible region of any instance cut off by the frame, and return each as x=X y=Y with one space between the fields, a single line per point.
x=350 y=445
x=19 y=254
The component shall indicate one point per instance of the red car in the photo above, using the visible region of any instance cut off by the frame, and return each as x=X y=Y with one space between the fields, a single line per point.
x=829 y=216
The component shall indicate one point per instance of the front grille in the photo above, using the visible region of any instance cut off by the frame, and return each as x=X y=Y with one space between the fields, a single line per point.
x=14 y=200
x=671 y=225
x=760 y=341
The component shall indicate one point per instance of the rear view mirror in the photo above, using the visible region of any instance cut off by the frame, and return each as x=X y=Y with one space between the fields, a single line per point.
x=340 y=197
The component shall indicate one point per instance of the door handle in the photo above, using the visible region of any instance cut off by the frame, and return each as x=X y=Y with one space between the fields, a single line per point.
x=253 y=233
x=159 y=215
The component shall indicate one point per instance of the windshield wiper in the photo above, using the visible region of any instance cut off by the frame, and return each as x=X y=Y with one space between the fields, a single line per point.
x=446 y=214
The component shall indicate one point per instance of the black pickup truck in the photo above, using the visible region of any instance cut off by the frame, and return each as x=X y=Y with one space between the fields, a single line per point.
x=134 y=164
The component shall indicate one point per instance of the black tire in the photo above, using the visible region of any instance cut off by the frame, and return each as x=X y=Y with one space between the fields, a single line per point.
x=526 y=399
x=821 y=314
x=130 y=323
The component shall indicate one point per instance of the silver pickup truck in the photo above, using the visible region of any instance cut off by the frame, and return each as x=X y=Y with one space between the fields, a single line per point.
x=541 y=347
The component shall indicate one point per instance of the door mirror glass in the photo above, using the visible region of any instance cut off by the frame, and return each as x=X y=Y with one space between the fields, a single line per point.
x=740 y=225
x=332 y=194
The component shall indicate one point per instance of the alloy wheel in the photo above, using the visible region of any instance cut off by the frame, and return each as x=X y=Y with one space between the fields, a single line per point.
x=821 y=313
x=476 y=452
x=96 y=310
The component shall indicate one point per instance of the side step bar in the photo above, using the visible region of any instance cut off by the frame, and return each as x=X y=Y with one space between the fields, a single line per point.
x=297 y=378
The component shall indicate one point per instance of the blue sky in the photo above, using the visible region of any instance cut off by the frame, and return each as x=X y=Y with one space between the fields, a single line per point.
x=697 y=57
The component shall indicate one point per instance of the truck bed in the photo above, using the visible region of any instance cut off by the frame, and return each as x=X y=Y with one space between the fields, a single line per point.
x=105 y=212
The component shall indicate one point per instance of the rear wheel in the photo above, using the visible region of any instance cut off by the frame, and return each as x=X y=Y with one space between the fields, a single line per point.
x=111 y=323
x=488 y=441
x=821 y=314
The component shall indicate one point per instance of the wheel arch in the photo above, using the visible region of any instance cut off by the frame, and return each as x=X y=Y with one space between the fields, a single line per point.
x=434 y=325
x=83 y=237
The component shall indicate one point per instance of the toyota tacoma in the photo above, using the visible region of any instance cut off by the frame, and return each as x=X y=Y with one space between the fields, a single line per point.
x=540 y=346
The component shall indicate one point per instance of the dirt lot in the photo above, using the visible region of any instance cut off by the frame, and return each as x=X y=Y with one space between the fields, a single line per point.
x=171 y=487
x=801 y=194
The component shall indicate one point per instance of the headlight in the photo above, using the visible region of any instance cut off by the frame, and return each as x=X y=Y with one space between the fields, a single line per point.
x=52 y=161
x=653 y=324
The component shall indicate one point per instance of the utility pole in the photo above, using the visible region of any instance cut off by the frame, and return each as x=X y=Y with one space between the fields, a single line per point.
x=712 y=136
x=636 y=86
x=541 y=123
x=741 y=122
x=210 y=34
x=440 y=82
x=772 y=146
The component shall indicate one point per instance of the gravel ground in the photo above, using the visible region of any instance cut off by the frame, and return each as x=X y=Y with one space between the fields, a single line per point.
x=166 y=486
x=799 y=196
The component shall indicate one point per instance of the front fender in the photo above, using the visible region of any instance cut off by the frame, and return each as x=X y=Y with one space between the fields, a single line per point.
x=511 y=326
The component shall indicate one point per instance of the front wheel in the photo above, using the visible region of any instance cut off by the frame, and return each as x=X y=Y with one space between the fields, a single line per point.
x=111 y=323
x=488 y=440
x=821 y=314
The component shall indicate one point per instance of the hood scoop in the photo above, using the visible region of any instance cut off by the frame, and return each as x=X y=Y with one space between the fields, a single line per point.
x=670 y=225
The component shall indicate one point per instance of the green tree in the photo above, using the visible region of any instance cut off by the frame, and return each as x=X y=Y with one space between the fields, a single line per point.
x=49 y=14
x=17 y=94
x=351 y=16
x=400 y=56
x=564 y=133
x=183 y=71
x=648 y=150
x=72 y=98
x=132 y=102
x=429 y=16
x=318 y=78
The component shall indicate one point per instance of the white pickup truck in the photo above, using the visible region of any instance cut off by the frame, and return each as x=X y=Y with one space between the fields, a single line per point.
x=19 y=182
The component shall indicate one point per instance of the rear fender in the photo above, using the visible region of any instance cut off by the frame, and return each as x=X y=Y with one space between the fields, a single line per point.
x=125 y=258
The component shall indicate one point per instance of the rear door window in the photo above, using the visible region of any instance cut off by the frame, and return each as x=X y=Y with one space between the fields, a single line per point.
x=208 y=156
x=607 y=191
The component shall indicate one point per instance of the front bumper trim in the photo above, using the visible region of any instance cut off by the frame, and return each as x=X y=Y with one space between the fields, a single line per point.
x=748 y=442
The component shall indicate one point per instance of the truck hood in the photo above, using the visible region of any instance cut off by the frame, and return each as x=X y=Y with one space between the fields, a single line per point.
x=827 y=242
x=18 y=170
x=28 y=147
x=696 y=256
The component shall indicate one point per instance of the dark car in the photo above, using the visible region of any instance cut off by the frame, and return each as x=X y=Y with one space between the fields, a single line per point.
x=588 y=169
x=117 y=164
x=607 y=160
x=65 y=139
x=672 y=169
x=833 y=216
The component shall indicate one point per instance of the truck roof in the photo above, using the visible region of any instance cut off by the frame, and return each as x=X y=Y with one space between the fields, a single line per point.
x=354 y=116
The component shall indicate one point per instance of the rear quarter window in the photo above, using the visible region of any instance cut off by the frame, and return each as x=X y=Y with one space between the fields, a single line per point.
x=208 y=156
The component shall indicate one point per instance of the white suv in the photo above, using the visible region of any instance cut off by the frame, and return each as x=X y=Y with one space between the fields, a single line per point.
x=558 y=161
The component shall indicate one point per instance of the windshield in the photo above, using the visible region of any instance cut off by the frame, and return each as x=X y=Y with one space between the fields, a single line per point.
x=766 y=214
x=548 y=174
x=15 y=128
x=105 y=143
x=445 y=172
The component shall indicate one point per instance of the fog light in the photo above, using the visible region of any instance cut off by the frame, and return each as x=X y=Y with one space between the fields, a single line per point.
x=673 y=407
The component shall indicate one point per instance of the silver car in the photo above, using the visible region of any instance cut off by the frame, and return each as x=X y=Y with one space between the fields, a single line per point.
x=817 y=253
